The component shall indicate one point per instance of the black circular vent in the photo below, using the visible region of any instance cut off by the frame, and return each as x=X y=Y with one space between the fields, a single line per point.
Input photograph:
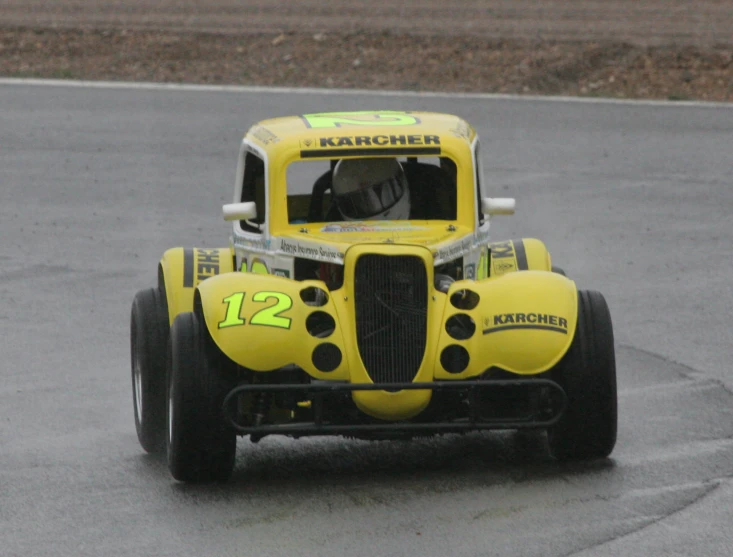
x=314 y=296
x=454 y=358
x=460 y=326
x=326 y=357
x=465 y=299
x=320 y=324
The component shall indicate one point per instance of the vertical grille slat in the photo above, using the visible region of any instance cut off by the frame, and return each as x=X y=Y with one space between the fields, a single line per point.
x=391 y=297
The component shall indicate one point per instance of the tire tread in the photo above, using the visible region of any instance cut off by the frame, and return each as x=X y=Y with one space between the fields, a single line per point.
x=587 y=373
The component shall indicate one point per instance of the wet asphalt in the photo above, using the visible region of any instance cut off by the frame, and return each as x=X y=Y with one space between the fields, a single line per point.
x=633 y=200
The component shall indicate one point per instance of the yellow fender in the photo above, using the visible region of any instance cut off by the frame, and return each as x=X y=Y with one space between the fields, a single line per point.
x=261 y=322
x=181 y=269
x=526 y=254
x=524 y=323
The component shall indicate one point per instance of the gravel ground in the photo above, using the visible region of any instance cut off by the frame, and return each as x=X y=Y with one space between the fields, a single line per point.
x=665 y=49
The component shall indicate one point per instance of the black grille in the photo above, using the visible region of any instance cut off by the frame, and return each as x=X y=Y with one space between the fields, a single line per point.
x=391 y=297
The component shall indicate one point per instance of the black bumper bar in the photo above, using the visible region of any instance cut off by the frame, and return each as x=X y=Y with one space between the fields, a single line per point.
x=472 y=388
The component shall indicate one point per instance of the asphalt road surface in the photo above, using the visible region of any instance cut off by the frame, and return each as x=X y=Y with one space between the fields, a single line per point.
x=633 y=200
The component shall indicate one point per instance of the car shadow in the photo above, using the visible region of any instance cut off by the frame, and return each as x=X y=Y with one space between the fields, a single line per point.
x=281 y=466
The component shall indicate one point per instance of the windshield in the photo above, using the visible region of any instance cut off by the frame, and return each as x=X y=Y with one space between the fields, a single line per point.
x=430 y=184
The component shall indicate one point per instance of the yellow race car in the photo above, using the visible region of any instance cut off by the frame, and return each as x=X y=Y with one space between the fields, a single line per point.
x=361 y=296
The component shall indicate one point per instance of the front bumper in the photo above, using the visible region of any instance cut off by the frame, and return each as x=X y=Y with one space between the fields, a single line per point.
x=548 y=402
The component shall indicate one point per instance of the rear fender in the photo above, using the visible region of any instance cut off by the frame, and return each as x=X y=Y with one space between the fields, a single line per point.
x=181 y=269
x=261 y=322
x=526 y=254
x=522 y=322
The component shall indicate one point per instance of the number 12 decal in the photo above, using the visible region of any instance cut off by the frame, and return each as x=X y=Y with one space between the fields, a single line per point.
x=361 y=118
x=268 y=317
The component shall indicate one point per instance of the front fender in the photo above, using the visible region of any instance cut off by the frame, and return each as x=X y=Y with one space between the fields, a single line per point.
x=523 y=323
x=181 y=269
x=262 y=322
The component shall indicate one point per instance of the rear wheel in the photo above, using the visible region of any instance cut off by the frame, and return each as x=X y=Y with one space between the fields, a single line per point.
x=201 y=447
x=148 y=343
x=587 y=373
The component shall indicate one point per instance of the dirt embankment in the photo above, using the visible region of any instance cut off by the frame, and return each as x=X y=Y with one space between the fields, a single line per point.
x=639 y=48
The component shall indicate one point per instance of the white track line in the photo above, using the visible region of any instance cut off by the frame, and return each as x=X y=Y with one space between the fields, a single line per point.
x=146 y=86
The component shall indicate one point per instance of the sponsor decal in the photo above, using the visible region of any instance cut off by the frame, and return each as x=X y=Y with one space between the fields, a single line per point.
x=314 y=252
x=502 y=250
x=360 y=118
x=392 y=140
x=483 y=264
x=251 y=243
x=461 y=247
x=207 y=263
x=512 y=321
x=507 y=256
x=462 y=130
x=264 y=135
x=470 y=271
x=454 y=250
x=199 y=264
x=270 y=316
x=259 y=267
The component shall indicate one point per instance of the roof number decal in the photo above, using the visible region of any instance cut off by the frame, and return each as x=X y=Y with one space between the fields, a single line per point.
x=363 y=118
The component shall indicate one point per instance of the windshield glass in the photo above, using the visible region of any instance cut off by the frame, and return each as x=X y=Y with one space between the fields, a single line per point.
x=429 y=187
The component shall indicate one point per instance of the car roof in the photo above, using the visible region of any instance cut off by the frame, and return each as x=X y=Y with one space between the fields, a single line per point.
x=363 y=133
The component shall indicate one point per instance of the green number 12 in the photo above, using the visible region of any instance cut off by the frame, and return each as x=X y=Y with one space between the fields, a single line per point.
x=268 y=317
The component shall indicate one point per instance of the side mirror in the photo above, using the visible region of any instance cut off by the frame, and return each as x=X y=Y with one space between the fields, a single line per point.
x=240 y=211
x=498 y=205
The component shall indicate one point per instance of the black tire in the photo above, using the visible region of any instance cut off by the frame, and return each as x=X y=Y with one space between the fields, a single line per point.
x=148 y=345
x=587 y=373
x=559 y=271
x=201 y=447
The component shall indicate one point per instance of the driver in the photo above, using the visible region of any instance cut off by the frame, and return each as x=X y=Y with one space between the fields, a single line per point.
x=374 y=188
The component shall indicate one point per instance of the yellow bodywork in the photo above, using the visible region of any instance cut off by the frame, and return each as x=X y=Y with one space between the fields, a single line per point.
x=181 y=269
x=363 y=134
x=266 y=347
x=523 y=315
x=524 y=324
x=518 y=255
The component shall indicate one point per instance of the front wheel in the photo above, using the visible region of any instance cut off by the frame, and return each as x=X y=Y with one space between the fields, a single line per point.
x=201 y=446
x=148 y=344
x=587 y=373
